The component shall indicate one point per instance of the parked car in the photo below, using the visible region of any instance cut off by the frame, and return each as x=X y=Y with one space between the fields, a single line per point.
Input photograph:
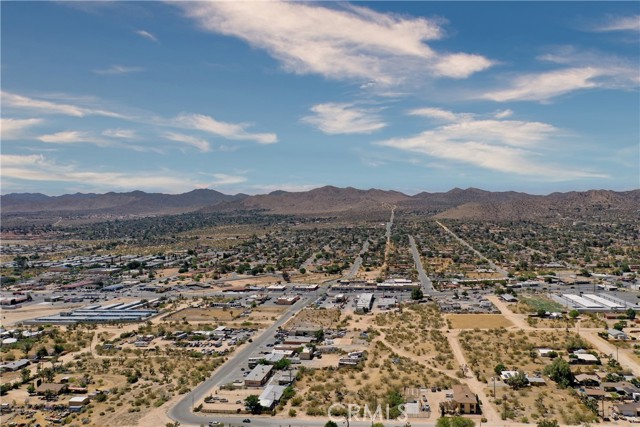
x=246 y=420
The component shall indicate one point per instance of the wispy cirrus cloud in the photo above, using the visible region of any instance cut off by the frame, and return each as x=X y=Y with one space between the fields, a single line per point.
x=120 y=133
x=118 y=69
x=581 y=70
x=237 y=131
x=341 y=41
x=45 y=106
x=223 y=179
x=344 y=118
x=38 y=168
x=147 y=35
x=199 y=143
x=15 y=128
x=619 y=23
x=435 y=113
x=73 y=137
x=80 y=107
x=508 y=146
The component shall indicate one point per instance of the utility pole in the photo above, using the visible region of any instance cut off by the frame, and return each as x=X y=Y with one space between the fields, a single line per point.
x=494 y=387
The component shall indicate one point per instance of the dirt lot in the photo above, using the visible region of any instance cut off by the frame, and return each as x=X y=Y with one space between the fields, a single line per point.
x=314 y=317
x=481 y=321
x=265 y=314
x=484 y=349
x=11 y=317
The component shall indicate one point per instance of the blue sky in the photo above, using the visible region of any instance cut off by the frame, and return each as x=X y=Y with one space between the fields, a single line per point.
x=255 y=97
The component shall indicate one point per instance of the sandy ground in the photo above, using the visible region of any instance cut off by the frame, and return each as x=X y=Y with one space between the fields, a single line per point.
x=11 y=317
x=482 y=321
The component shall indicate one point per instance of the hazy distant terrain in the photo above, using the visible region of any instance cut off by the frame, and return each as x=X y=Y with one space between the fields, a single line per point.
x=473 y=204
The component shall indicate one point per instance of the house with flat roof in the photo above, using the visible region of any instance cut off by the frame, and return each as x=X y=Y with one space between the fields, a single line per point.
x=54 y=388
x=258 y=376
x=271 y=395
x=14 y=366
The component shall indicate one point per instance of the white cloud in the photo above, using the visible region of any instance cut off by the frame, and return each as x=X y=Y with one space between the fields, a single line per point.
x=38 y=168
x=227 y=130
x=199 y=143
x=147 y=35
x=620 y=23
x=461 y=65
x=435 y=113
x=222 y=179
x=119 y=133
x=119 y=69
x=12 y=100
x=544 y=86
x=582 y=70
x=503 y=114
x=14 y=128
x=338 y=42
x=72 y=137
x=508 y=146
x=336 y=118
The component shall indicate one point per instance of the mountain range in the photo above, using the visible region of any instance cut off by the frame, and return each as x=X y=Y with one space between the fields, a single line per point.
x=470 y=203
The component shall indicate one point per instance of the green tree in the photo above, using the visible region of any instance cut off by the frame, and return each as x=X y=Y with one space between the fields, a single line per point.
x=574 y=314
x=620 y=325
x=499 y=368
x=417 y=294
x=631 y=314
x=252 y=404
x=26 y=375
x=330 y=424
x=303 y=270
x=42 y=352
x=560 y=372
x=282 y=364
x=26 y=348
x=518 y=381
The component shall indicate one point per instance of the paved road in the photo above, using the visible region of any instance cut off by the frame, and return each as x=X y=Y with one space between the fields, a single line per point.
x=358 y=262
x=390 y=224
x=230 y=370
x=427 y=284
x=269 y=421
x=459 y=239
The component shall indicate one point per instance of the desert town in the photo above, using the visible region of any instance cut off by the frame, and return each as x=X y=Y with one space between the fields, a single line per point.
x=305 y=323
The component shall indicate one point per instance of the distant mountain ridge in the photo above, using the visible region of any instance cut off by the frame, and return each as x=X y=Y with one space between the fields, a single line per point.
x=470 y=203
x=131 y=203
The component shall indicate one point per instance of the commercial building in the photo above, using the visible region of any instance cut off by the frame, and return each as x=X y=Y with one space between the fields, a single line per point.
x=258 y=376
x=287 y=300
x=364 y=302
x=113 y=313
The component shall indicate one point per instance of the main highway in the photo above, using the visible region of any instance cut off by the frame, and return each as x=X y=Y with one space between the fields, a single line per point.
x=427 y=284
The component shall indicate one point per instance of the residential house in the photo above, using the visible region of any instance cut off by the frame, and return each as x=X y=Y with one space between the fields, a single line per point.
x=465 y=401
